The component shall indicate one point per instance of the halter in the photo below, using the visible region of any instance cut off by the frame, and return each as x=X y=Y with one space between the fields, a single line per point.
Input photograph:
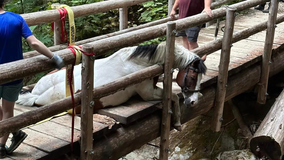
x=184 y=88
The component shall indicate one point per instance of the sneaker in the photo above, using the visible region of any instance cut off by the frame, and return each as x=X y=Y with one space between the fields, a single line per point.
x=16 y=141
x=3 y=152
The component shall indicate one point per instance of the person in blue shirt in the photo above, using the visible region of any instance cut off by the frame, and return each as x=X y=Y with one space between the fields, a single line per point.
x=12 y=28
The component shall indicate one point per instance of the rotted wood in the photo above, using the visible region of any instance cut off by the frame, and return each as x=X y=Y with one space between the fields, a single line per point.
x=268 y=140
x=223 y=70
x=266 y=58
x=87 y=104
x=167 y=95
x=123 y=18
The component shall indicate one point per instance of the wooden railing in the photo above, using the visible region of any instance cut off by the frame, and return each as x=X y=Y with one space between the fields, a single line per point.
x=35 y=64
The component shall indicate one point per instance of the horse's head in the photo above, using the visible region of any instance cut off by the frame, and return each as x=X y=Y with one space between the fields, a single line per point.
x=189 y=80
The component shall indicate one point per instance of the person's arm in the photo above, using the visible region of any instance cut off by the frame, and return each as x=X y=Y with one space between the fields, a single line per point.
x=173 y=12
x=207 y=7
x=41 y=48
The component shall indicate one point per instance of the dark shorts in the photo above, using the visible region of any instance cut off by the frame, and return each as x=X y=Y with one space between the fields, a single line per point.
x=11 y=92
x=190 y=33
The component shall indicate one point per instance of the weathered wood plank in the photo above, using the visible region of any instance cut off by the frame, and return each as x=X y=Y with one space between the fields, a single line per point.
x=56 y=130
x=130 y=111
x=103 y=125
x=27 y=152
x=43 y=141
x=65 y=120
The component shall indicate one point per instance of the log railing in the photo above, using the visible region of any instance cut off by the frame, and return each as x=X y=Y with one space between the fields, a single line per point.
x=160 y=21
x=26 y=67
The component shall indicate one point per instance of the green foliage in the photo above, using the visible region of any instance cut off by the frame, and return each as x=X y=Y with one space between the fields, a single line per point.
x=153 y=10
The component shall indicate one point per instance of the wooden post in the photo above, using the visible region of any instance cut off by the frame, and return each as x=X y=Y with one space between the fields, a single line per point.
x=170 y=6
x=123 y=18
x=87 y=105
x=245 y=130
x=57 y=28
x=223 y=69
x=268 y=140
x=167 y=86
x=266 y=57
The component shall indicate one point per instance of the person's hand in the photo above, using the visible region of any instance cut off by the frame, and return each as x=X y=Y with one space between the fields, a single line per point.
x=173 y=13
x=58 y=61
x=208 y=11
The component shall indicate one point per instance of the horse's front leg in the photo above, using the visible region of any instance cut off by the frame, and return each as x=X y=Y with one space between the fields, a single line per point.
x=147 y=92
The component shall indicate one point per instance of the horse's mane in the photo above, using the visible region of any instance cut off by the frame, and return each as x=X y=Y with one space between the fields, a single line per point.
x=155 y=54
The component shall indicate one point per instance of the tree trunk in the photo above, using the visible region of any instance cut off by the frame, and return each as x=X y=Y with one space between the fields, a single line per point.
x=269 y=138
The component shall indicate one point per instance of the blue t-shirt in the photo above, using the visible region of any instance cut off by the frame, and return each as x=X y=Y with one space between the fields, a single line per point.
x=12 y=28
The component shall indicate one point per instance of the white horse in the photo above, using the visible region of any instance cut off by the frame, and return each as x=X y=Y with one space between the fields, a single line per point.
x=51 y=87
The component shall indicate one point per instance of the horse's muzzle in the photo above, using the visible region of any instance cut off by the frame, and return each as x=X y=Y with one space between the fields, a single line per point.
x=189 y=102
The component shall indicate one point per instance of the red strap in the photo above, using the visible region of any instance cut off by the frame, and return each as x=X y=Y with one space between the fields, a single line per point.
x=70 y=76
x=63 y=13
x=85 y=53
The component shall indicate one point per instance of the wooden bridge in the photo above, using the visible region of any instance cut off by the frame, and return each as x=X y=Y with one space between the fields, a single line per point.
x=120 y=130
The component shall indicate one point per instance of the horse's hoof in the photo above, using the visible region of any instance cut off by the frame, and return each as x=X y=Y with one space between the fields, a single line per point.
x=178 y=128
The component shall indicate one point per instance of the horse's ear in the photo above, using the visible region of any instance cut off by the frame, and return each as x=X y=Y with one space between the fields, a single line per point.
x=204 y=57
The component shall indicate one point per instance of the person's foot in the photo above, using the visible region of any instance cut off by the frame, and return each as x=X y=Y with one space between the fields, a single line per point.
x=3 y=152
x=17 y=139
x=259 y=7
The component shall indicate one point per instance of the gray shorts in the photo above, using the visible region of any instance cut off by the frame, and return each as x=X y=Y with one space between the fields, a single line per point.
x=190 y=33
x=11 y=92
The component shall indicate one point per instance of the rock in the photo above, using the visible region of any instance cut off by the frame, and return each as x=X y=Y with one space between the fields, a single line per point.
x=236 y=155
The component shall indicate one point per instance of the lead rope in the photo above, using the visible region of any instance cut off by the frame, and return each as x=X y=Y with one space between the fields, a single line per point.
x=65 y=10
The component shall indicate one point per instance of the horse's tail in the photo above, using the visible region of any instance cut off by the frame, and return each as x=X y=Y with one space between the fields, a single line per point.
x=27 y=99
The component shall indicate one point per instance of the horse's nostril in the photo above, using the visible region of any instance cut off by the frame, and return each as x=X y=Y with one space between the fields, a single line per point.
x=192 y=102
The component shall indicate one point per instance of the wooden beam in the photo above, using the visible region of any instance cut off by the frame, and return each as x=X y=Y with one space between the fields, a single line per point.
x=170 y=6
x=49 y=16
x=245 y=130
x=123 y=18
x=57 y=34
x=167 y=96
x=266 y=58
x=223 y=70
x=268 y=140
x=87 y=106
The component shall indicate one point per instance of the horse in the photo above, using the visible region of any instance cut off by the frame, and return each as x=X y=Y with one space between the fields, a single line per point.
x=125 y=61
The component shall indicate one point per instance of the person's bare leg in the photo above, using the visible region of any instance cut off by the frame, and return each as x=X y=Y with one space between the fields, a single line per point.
x=7 y=112
x=185 y=42
x=192 y=45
